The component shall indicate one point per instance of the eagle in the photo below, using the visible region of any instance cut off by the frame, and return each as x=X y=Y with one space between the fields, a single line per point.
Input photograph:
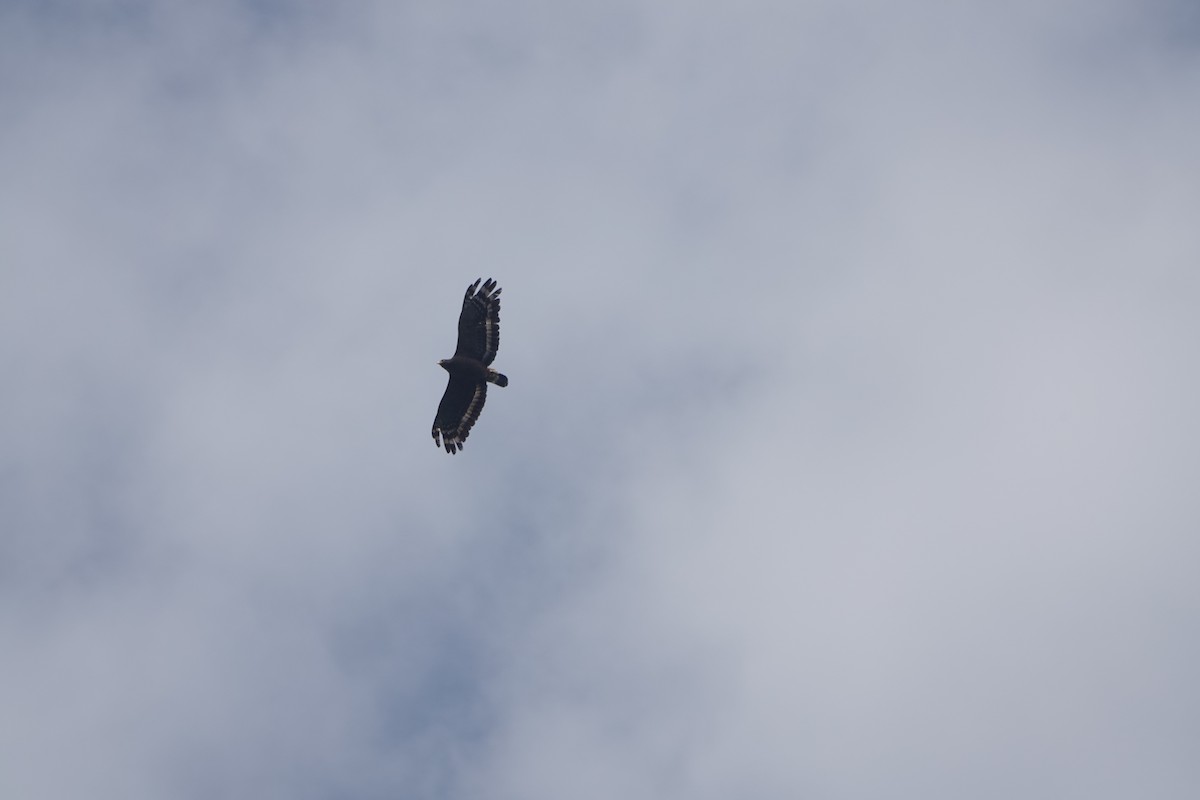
x=470 y=368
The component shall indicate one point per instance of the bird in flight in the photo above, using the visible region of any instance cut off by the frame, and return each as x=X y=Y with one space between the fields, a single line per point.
x=470 y=368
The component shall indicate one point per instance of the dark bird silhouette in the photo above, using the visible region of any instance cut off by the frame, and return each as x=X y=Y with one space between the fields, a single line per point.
x=470 y=368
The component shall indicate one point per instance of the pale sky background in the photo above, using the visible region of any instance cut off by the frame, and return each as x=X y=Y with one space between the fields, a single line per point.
x=851 y=451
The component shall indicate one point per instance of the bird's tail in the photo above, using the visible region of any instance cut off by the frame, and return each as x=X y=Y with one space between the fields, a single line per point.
x=497 y=378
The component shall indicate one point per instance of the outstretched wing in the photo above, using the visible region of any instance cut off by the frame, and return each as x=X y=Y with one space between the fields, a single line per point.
x=479 y=322
x=460 y=407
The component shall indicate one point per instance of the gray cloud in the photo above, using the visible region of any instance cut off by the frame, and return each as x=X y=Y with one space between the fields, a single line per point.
x=849 y=450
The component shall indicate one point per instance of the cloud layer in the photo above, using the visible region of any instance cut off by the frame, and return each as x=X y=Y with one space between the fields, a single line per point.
x=850 y=449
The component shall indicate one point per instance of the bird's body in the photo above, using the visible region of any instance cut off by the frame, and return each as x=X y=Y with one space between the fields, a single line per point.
x=470 y=368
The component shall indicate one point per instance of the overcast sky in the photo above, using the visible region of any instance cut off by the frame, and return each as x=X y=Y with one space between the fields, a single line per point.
x=851 y=448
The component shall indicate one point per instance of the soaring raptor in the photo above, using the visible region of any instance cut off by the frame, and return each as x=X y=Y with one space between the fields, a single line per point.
x=470 y=369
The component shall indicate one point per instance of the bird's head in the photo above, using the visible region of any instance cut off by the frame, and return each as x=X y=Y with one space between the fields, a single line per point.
x=442 y=364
